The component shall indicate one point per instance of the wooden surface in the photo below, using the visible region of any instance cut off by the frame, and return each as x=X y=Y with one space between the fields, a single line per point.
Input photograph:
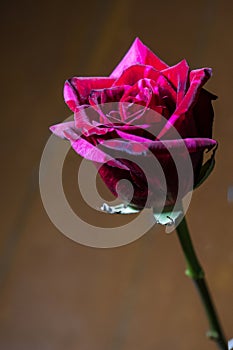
x=57 y=294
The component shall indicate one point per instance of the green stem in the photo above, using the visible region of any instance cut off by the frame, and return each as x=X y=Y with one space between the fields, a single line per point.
x=196 y=273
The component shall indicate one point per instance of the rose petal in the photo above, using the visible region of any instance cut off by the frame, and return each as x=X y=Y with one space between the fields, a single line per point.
x=89 y=121
x=190 y=145
x=138 y=53
x=83 y=147
x=204 y=114
x=178 y=76
x=197 y=79
x=91 y=152
x=153 y=95
x=132 y=74
x=142 y=92
x=106 y=95
x=112 y=176
x=59 y=129
x=77 y=90
x=130 y=137
x=140 y=75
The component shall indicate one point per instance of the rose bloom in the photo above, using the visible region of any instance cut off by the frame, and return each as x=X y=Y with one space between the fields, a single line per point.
x=147 y=101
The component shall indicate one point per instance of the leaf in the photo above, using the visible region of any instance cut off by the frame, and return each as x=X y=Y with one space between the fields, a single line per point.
x=119 y=209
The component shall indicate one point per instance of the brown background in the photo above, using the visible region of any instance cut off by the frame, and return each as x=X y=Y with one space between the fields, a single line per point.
x=57 y=294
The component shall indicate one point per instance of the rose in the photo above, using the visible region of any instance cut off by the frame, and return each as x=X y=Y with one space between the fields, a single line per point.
x=152 y=92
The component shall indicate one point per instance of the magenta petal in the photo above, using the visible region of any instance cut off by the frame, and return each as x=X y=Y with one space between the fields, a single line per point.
x=70 y=96
x=139 y=76
x=132 y=147
x=106 y=95
x=178 y=76
x=139 y=133
x=138 y=54
x=89 y=122
x=112 y=176
x=140 y=159
x=133 y=74
x=83 y=121
x=88 y=151
x=192 y=145
x=125 y=136
x=77 y=90
x=60 y=129
x=198 y=78
x=150 y=93
x=132 y=128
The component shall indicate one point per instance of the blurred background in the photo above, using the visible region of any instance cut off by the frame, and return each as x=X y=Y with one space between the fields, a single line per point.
x=55 y=293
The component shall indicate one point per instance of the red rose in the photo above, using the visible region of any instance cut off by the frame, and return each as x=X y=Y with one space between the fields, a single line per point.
x=142 y=83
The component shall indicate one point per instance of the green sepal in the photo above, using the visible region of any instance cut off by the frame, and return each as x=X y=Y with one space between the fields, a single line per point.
x=212 y=335
x=206 y=169
x=119 y=209
x=167 y=217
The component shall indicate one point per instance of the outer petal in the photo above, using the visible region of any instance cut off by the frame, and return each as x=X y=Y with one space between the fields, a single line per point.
x=138 y=53
x=77 y=90
x=130 y=137
x=111 y=177
x=197 y=79
x=158 y=147
x=143 y=174
x=59 y=129
x=87 y=121
x=86 y=149
x=178 y=76
x=82 y=146
x=203 y=113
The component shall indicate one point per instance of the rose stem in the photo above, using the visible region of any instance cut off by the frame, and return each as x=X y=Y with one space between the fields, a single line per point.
x=196 y=273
